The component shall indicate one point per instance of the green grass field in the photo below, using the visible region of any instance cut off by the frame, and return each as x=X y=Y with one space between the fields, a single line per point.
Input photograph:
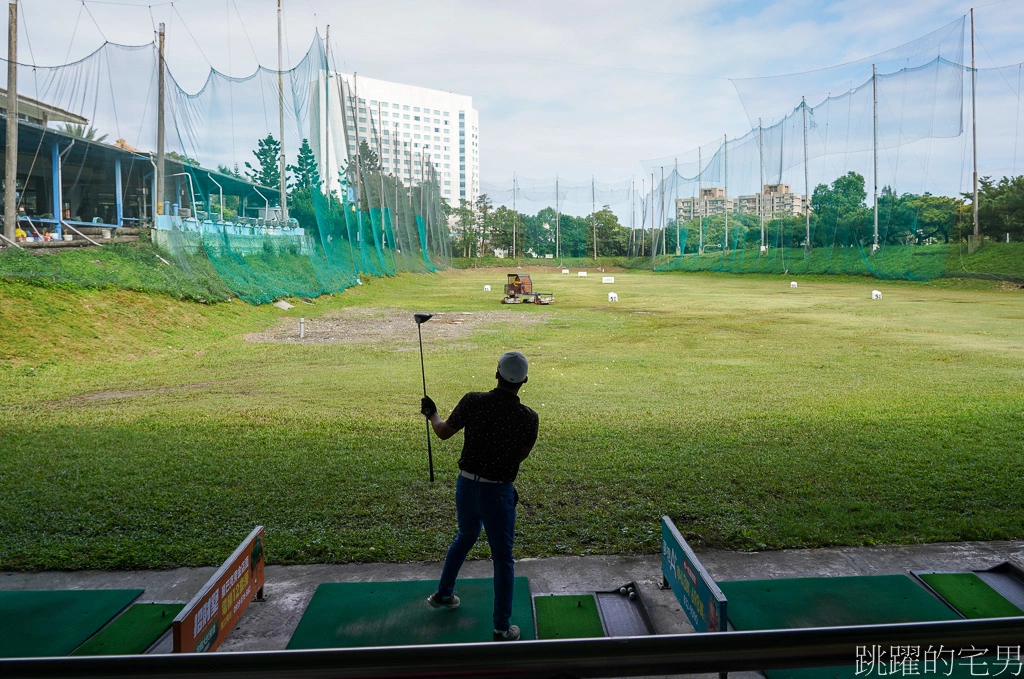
x=137 y=430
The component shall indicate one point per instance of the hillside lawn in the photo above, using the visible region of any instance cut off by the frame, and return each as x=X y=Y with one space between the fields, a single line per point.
x=141 y=431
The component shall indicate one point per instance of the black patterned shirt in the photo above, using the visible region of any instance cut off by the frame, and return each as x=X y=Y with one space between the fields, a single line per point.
x=500 y=432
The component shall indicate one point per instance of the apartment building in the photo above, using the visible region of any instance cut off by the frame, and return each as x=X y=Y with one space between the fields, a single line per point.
x=775 y=200
x=410 y=128
x=712 y=201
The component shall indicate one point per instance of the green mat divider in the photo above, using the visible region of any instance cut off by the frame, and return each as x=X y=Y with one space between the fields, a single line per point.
x=789 y=603
x=357 y=614
x=37 y=624
x=567 y=616
x=970 y=595
x=133 y=631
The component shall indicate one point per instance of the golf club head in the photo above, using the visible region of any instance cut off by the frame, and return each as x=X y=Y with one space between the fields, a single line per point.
x=422 y=318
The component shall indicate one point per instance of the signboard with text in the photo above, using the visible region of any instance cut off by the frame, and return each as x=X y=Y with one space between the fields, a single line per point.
x=695 y=589
x=205 y=622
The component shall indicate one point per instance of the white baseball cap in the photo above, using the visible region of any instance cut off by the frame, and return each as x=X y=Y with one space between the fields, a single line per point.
x=512 y=367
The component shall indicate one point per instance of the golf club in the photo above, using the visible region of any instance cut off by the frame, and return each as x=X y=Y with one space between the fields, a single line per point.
x=420 y=320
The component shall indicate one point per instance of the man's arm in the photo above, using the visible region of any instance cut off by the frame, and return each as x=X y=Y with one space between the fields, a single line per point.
x=441 y=428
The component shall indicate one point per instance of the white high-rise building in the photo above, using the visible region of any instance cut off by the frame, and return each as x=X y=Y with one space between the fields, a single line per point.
x=408 y=127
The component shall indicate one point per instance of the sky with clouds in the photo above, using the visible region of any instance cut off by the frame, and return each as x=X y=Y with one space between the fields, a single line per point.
x=579 y=88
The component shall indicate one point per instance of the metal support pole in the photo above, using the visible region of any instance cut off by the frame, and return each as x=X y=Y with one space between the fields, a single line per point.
x=700 y=203
x=55 y=180
x=280 y=113
x=327 y=116
x=558 y=250
x=221 y=195
x=118 y=198
x=974 y=125
x=654 y=243
x=158 y=179
x=760 y=190
x=664 y=238
x=874 y=95
x=807 y=181
x=725 y=183
x=593 y=212
x=679 y=244
x=11 y=166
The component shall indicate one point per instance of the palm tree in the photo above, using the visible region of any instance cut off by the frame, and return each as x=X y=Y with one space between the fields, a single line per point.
x=82 y=132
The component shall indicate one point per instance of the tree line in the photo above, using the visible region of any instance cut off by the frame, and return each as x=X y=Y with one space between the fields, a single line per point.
x=839 y=216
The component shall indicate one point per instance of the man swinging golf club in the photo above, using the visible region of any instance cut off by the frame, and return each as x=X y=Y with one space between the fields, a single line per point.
x=500 y=432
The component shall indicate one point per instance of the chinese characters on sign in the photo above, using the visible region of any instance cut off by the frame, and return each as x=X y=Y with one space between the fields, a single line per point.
x=204 y=623
x=696 y=591
x=917 y=661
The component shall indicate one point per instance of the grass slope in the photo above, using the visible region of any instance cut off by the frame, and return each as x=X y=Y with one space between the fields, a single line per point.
x=141 y=431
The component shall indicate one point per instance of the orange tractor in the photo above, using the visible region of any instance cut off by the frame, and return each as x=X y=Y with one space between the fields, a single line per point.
x=519 y=289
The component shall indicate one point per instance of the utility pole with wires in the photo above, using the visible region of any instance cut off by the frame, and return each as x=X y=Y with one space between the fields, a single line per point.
x=11 y=166
x=976 y=240
x=280 y=109
x=874 y=96
x=161 y=170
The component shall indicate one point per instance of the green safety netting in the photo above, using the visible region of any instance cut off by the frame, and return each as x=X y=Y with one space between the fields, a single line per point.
x=796 y=193
x=343 y=217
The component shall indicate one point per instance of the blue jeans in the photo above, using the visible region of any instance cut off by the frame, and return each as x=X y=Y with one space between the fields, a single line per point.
x=493 y=506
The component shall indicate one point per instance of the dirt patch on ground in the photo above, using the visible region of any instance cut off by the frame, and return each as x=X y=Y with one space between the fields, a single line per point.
x=112 y=394
x=391 y=327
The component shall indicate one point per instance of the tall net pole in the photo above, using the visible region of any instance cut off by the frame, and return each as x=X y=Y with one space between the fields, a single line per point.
x=874 y=96
x=558 y=244
x=593 y=212
x=664 y=225
x=161 y=170
x=807 y=181
x=700 y=202
x=643 y=219
x=760 y=190
x=514 y=215
x=327 y=114
x=280 y=114
x=632 y=216
x=654 y=243
x=725 y=190
x=679 y=246
x=11 y=166
x=974 y=125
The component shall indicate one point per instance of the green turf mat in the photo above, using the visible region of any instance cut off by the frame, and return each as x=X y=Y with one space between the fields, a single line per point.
x=970 y=595
x=133 y=631
x=350 y=614
x=38 y=624
x=567 y=616
x=829 y=602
